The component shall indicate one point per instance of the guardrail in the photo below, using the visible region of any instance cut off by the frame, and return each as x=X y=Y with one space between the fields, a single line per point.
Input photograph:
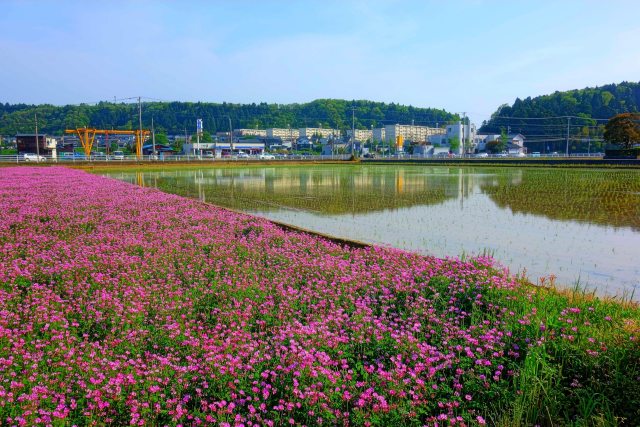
x=297 y=157
x=160 y=159
x=487 y=156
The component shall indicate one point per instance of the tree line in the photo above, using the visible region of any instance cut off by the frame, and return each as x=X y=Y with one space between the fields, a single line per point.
x=544 y=119
x=178 y=117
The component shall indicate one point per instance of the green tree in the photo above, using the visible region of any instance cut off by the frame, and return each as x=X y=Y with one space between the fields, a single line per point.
x=177 y=145
x=161 y=139
x=623 y=129
x=454 y=144
x=584 y=105
x=206 y=138
x=495 y=146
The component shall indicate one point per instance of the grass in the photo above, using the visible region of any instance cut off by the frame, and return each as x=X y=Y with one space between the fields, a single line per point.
x=124 y=305
x=582 y=357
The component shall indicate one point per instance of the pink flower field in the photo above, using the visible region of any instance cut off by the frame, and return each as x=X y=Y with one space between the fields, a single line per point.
x=124 y=305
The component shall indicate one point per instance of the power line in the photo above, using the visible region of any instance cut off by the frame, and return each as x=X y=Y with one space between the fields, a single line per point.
x=549 y=118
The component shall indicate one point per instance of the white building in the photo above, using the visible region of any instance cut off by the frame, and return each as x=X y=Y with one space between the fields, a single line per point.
x=514 y=143
x=410 y=133
x=481 y=141
x=250 y=132
x=361 y=134
x=322 y=132
x=222 y=148
x=283 y=133
x=457 y=132
x=196 y=148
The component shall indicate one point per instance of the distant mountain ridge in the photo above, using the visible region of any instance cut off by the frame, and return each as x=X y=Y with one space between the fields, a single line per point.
x=176 y=117
x=603 y=102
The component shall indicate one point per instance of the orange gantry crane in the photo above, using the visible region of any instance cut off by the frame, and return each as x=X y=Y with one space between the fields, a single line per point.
x=88 y=135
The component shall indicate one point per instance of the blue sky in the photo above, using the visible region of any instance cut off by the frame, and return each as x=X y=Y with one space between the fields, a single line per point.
x=462 y=56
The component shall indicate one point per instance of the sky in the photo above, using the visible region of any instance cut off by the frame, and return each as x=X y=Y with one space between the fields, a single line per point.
x=464 y=56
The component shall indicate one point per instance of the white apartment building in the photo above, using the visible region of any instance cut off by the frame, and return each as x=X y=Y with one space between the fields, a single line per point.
x=323 y=132
x=457 y=132
x=250 y=132
x=283 y=133
x=410 y=133
x=361 y=134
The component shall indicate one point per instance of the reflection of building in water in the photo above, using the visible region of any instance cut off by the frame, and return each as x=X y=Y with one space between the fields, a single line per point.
x=329 y=190
x=309 y=180
x=400 y=181
x=320 y=189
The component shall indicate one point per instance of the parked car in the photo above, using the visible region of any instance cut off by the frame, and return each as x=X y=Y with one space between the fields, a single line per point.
x=535 y=154
x=98 y=156
x=519 y=154
x=502 y=155
x=30 y=157
x=118 y=155
x=482 y=155
x=266 y=156
x=242 y=155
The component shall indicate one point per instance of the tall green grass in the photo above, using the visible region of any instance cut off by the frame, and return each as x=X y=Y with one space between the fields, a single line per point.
x=580 y=361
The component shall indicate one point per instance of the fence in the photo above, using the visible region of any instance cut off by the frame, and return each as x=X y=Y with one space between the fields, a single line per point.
x=20 y=158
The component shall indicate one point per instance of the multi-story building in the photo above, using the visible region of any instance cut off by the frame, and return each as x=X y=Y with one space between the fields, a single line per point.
x=26 y=143
x=361 y=134
x=322 y=132
x=379 y=135
x=411 y=133
x=286 y=134
x=250 y=132
x=457 y=132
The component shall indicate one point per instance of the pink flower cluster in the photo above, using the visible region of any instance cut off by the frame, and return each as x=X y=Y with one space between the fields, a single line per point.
x=125 y=305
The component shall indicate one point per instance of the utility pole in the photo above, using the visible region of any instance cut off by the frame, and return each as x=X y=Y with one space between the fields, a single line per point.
x=567 y=149
x=464 y=117
x=353 y=128
x=140 y=139
x=153 y=138
x=230 y=134
x=413 y=135
x=35 y=115
x=198 y=139
x=185 y=137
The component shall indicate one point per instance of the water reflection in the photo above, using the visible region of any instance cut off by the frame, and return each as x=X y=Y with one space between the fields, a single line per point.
x=577 y=224
x=317 y=189
x=607 y=197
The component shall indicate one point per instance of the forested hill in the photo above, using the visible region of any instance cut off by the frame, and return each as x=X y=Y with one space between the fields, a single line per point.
x=590 y=103
x=175 y=117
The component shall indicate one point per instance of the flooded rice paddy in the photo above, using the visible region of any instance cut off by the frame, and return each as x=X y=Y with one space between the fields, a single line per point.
x=580 y=225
